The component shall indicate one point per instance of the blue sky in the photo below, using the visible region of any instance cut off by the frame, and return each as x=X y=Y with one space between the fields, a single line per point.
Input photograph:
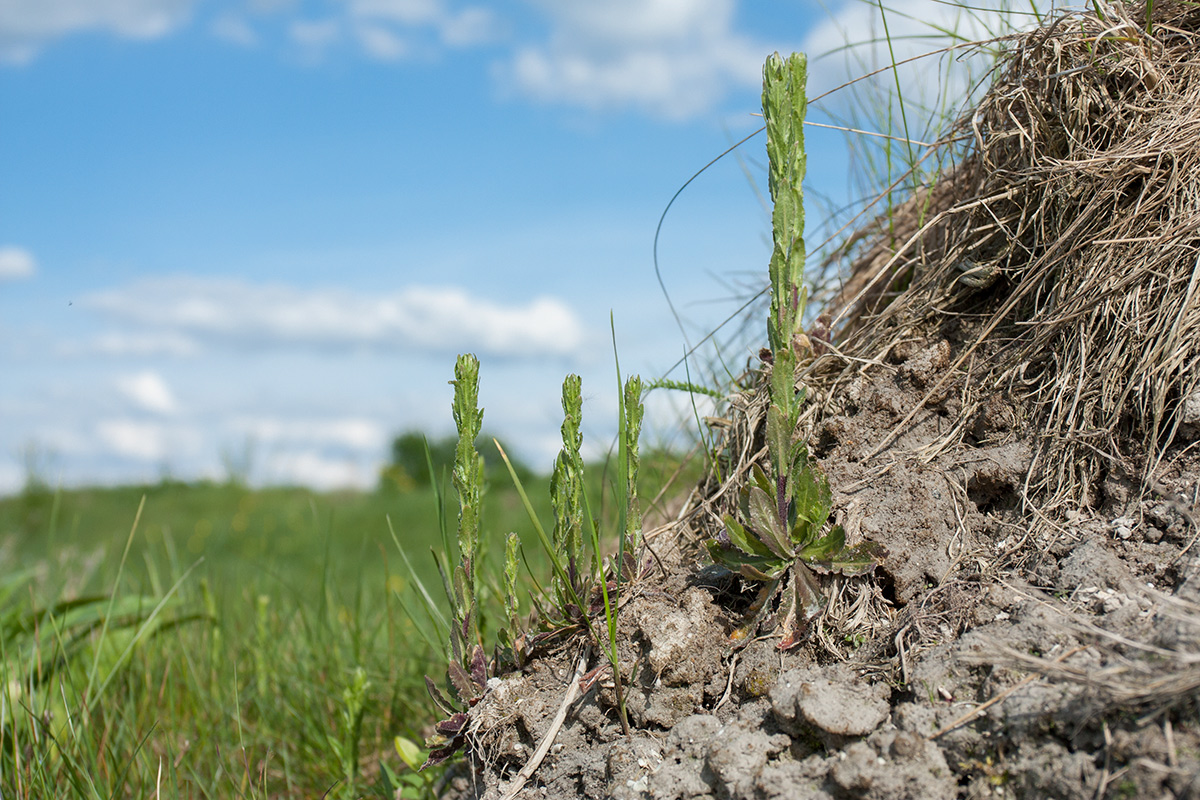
x=257 y=232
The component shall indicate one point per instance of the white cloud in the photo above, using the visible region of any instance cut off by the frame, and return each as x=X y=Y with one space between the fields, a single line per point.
x=27 y=25
x=235 y=30
x=311 y=468
x=315 y=35
x=117 y=344
x=148 y=392
x=351 y=433
x=468 y=27
x=391 y=30
x=675 y=58
x=381 y=42
x=437 y=320
x=408 y=12
x=58 y=438
x=148 y=441
x=16 y=263
x=382 y=25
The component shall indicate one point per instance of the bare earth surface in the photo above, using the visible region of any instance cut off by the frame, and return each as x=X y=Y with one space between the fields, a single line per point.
x=1027 y=450
x=1010 y=663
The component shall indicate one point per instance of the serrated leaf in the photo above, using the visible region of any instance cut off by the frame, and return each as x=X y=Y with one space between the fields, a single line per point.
x=743 y=540
x=858 y=560
x=756 y=568
x=766 y=525
x=803 y=603
x=479 y=669
x=762 y=569
x=461 y=680
x=826 y=547
x=439 y=699
x=812 y=501
x=761 y=480
x=452 y=726
x=441 y=754
x=779 y=437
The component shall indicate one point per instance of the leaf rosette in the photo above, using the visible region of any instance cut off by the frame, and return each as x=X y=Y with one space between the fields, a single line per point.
x=777 y=541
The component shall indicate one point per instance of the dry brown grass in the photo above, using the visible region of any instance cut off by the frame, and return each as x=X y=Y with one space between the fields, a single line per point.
x=1079 y=190
x=1076 y=185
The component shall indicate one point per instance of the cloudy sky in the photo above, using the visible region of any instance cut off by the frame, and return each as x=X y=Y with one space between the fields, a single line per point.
x=255 y=233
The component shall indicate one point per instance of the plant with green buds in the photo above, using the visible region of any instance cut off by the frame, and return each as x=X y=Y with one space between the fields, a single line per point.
x=566 y=495
x=778 y=537
x=468 y=667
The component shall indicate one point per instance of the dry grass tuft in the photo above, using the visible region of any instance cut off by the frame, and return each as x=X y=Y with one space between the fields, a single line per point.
x=1139 y=674
x=1059 y=256
x=1061 y=253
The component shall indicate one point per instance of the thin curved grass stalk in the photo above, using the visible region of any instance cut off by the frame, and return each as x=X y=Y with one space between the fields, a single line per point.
x=633 y=410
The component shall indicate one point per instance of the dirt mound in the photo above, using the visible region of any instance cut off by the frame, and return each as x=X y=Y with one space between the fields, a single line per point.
x=1006 y=397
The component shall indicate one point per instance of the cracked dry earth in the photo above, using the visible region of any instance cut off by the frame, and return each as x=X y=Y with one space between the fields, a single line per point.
x=1013 y=660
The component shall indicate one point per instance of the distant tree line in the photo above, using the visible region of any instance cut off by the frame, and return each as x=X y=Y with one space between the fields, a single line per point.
x=409 y=465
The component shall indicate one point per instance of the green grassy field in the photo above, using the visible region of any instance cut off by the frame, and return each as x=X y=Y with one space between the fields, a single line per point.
x=238 y=643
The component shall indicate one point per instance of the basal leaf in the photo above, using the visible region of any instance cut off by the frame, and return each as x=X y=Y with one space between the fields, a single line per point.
x=764 y=520
x=826 y=547
x=802 y=603
x=762 y=569
x=858 y=560
x=479 y=669
x=779 y=436
x=439 y=699
x=441 y=754
x=812 y=501
x=453 y=725
x=756 y=568
x=761 y=480
x=744 y=540
x=462 y=682
x=757 y=610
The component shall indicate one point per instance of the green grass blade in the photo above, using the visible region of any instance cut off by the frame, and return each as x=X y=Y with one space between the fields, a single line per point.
x=91 y=682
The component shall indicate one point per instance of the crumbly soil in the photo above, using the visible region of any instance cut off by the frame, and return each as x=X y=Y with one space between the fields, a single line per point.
x=1025 y=445
x=1011 y=659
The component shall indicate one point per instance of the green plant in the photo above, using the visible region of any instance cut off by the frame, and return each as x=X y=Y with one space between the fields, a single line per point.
x=346 y=748
x=629 y=527
x=572 y=588
x=632 y=411
x=415 y=782
x=467 y=670
x=566 y=495
x=779 y=537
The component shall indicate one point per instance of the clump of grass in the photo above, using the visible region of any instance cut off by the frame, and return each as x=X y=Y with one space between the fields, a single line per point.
x=1068 y=275
x=177 y=707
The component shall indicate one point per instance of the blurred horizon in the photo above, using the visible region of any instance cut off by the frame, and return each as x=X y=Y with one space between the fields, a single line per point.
x=266 y=227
